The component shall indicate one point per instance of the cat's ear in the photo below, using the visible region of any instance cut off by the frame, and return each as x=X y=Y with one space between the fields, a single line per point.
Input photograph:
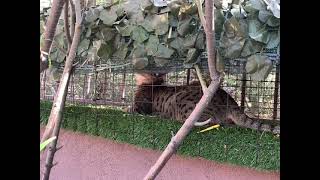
x=140 y=78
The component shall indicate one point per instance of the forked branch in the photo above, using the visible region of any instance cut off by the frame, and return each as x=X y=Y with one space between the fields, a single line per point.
x=203 y=103
x=55 y=119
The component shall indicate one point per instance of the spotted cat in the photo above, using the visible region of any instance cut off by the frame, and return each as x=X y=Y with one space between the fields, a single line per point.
x=177 y=102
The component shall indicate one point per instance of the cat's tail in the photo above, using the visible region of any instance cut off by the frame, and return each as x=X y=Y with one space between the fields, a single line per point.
x=245 y=121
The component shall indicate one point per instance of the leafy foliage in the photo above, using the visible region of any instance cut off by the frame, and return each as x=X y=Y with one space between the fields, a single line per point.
x=46 y=142
x=163 y=35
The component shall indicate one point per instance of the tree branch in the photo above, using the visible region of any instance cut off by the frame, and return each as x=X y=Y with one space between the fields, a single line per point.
x=73 y=18
x=200 y=77
x=50 y=32
x=183 y=131
x=66 y=23
x=55 y=119
x=210 y=39
x=201 y=15
x=203 y=103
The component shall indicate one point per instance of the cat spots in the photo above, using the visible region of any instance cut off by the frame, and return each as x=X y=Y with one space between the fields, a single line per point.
x=177 y=102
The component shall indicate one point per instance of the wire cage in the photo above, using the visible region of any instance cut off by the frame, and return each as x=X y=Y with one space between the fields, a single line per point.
x=96 y=99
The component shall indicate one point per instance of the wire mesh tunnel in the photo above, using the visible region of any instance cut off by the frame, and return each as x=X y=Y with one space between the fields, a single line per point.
x=96 y=100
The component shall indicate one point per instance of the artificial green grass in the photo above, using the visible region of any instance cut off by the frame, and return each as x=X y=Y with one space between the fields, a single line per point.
x=238 y=146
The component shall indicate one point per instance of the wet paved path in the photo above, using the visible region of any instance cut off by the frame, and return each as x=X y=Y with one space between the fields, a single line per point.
x=85 y=157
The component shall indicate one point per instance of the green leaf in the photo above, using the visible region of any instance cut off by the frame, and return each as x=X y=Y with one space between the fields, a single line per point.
x=220 y=62
x=274 y=40
x=273 y=21
x=139 y=51
x=92 y=54
x=274 y=7
x=192 y=56
x=161 y=23
x=164 y=52
x=184 y=26
x=173 y=21
x=218 y=20
x=139 y=34
x=157 y=23
x=121 y=52
x=189 y=41
x=108 y=16
x=147 y=25
x=105 y=51
x=152 y=45
x=120 y=11
x=258 y=67
x=250 y=8
x=264 y=15
x=200 y=42
x=258 y=4
x=109 y=3
x=177 y=43
x=92 y=15
x=233 y=38
x=42 y=25
x=140 y=63
x=232 y=28
x=251 y=47
x=145 y=4
x=188 y=9
x=88 y=33
x=59 y=40
x=231 y=48
x=258 y=32
x=83 y=46
x=46 y=142
x=107 y=34
x=161 y=62
x=57 y=56
x=236 y=12
x=125 y=30
x=42 y=40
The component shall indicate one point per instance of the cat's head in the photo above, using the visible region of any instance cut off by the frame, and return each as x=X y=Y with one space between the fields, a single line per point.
x=150 y=78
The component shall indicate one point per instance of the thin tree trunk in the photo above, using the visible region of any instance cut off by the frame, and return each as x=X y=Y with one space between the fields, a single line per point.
x=66 y=23
x=58 y=105
x=55 y=118
x=50 y=32
x=73 y=18
x=203 y=103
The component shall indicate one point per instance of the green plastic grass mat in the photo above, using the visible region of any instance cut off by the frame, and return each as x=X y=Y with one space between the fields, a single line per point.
x=238 y=146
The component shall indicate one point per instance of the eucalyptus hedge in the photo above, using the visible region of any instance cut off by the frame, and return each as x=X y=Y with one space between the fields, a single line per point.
x=146 y=36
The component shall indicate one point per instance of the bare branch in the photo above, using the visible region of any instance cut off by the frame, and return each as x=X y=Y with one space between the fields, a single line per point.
x=55 y=119
x=210 y=39
x=50 y=32
x=73 y=18
x=200 y=77
x=59 y=99
x=201 y=15
x=183 y=131
x=66 y=23
x=203 y=103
